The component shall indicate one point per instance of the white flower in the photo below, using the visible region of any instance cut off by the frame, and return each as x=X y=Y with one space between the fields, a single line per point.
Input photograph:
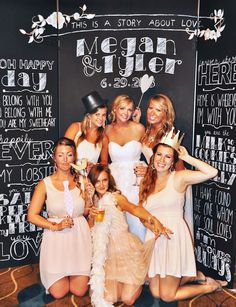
x=90 y=16
x=207 y=34
x=76 y=16
x=55 y=18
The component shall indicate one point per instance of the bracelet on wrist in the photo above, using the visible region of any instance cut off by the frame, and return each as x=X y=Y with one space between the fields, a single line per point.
x=150 y=220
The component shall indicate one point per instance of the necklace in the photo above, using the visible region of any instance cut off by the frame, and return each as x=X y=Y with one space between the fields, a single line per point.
x=151 y=138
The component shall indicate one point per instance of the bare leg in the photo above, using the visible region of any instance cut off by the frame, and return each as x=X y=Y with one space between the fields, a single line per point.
x=154 y=284
x=172 y=290
x=130 y=293
x=79 y=285
x=60 y=288
x=200 y=278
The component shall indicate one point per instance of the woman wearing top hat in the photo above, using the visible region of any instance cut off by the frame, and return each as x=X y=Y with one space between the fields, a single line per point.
x=88 y=135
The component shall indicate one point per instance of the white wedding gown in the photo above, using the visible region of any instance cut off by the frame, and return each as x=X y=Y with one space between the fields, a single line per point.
x=122 y=168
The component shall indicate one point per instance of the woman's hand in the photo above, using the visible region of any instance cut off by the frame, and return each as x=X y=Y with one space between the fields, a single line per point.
x=65 y=223
x=183 y=153
x=89 y=166
x=93 y=211
x=136 y=115
x=89 y=191
x=88 y=195
x=140 y=169
x=159 y=228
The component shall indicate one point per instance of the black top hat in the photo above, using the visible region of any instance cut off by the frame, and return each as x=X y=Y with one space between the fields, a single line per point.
x=92 y=101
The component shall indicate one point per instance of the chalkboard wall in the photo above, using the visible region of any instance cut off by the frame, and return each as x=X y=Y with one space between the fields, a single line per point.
x=28 y=124
x=214 y=142
x=108 y=46
x=123 y=41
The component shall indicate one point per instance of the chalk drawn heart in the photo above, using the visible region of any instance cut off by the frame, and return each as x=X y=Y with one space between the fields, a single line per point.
x=145 y=82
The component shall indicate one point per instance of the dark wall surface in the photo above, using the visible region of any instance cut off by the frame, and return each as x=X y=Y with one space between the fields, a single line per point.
x=108 y=47
x=28 y=123
x=214 y=141
x=125 y=40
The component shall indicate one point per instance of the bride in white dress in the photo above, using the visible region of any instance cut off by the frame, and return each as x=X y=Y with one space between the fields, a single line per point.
x=125 y=150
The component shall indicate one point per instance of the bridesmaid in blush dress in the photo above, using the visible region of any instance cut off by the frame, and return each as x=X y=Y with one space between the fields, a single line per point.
x=160 y=120
x=172 y=264
x=120 y=260
x=88 y=135
x=66 y=251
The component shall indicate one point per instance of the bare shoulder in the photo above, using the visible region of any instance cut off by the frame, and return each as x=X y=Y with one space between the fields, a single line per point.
x=72 y=130
x=75 y=125
x=40 y=190
x=137 y=128
x=41 y=185
x=108 y=129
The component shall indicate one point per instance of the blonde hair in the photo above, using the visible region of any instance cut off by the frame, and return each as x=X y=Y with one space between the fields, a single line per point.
x=167 y=106
x=117 y=102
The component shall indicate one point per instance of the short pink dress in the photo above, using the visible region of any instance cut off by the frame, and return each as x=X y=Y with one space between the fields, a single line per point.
x=127 y=258
x=67 y=252
x=174 y=257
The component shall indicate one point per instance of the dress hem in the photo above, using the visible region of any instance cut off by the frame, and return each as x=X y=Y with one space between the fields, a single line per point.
x=81 y=274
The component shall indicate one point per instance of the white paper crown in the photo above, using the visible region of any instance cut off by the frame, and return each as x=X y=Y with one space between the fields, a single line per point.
x=172 y=139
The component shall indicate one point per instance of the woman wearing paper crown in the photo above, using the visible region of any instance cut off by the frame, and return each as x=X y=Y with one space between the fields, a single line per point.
x=125 y=151
x=89 y=135
x=65 y=254
x=160 y=120
x=120 y=260
x=162 y=193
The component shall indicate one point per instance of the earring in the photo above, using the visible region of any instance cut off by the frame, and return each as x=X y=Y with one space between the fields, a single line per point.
x=153 y=167
x=88 y=123
x=171 y=169
x=113 y=115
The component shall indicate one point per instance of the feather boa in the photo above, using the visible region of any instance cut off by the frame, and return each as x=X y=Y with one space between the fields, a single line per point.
x=100 y=239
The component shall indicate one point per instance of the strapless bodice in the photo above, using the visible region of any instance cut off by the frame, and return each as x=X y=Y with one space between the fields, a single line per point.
x=122 y=169
x=129 y=152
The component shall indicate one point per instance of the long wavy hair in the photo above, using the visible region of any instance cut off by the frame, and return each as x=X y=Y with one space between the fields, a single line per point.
x=148 y=183
x=167 y=105
x=95 y=172
x=85 y=125
x=117 y=102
